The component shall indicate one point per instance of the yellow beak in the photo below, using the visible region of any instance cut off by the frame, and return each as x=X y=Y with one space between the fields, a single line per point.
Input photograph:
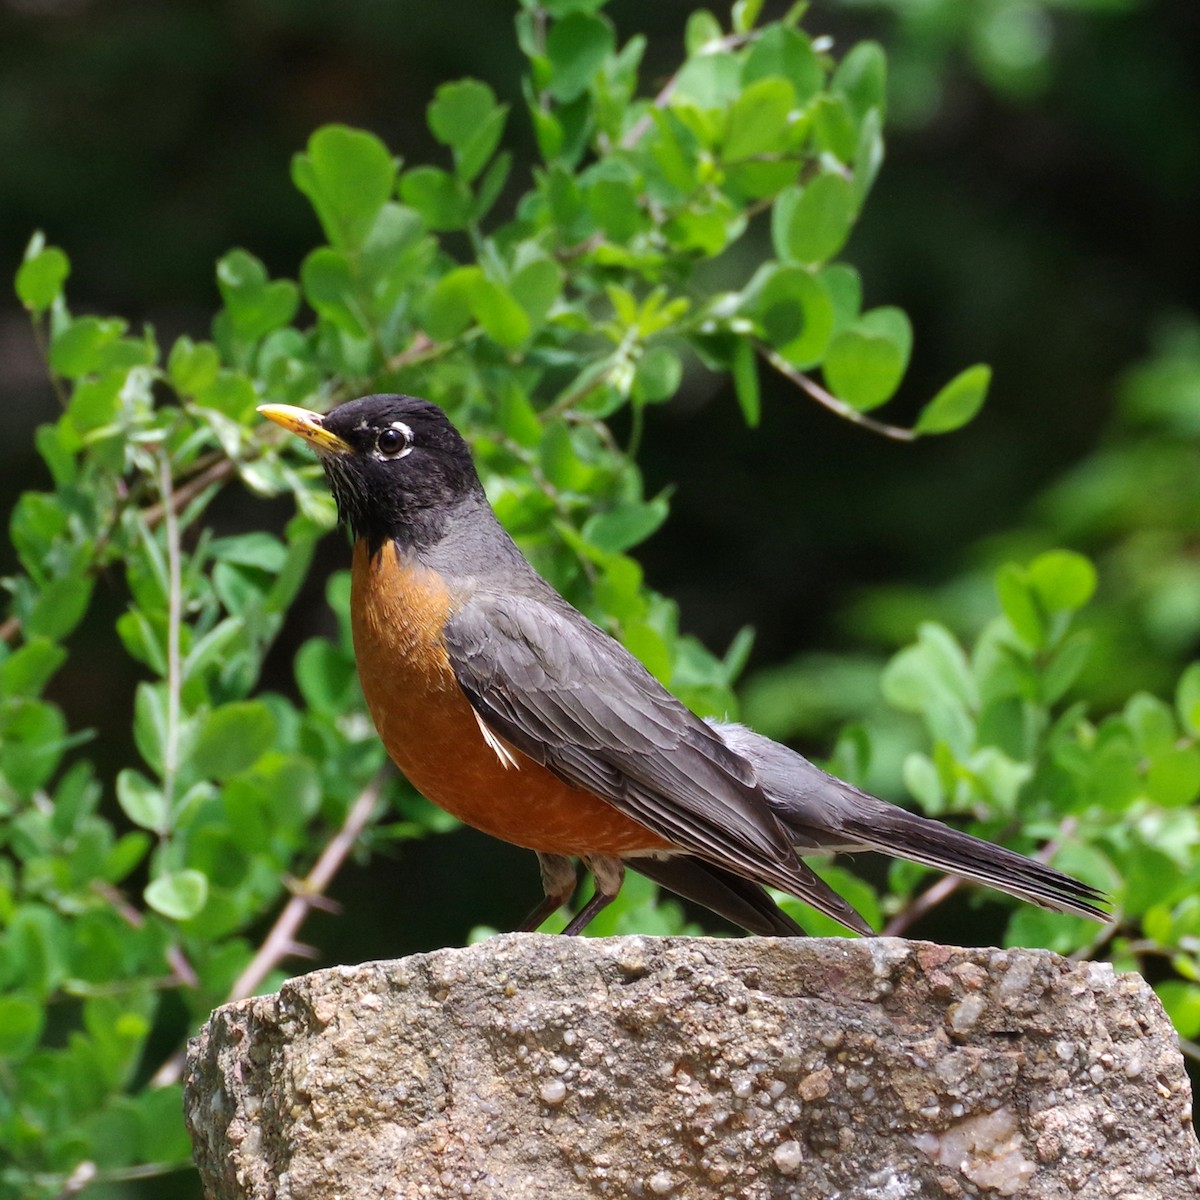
x=308 y=425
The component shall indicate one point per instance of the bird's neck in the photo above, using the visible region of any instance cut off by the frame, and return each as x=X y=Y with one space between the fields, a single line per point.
x=464 y=541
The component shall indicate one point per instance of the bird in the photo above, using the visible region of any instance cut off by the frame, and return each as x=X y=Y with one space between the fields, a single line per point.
x=507 y=707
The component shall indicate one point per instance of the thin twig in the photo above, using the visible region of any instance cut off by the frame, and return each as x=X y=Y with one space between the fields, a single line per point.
x=831 y=402
x=278 y=943
x=183 y=974
x=174 y=623
x=187 y=492
x=925 y=902
x=418 y=350
x=43 y=345
x=87 y=1173
x=281 y=941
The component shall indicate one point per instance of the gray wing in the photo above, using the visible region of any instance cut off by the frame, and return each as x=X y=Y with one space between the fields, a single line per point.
x=573 y=699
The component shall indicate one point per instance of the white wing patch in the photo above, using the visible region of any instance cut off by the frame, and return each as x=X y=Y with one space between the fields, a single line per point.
x=503 y=753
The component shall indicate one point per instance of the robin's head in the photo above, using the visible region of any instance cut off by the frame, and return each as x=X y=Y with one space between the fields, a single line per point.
x=397 y=468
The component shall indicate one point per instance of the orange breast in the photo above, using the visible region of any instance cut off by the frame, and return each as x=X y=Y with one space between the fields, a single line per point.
x=431 y=733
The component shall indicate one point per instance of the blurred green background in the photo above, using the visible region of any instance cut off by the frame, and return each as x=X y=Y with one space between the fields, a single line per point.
x=1037 y=210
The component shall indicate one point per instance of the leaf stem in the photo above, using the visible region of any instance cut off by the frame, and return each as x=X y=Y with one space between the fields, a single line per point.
x=831 y=402
x=174 y=623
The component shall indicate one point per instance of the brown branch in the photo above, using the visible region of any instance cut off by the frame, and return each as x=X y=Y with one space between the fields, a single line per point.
x=420 y=348
x=187 y=492
x=281 y=941
x=183 y=974
x=282 y=938
x=925 y=902
x=830 y=401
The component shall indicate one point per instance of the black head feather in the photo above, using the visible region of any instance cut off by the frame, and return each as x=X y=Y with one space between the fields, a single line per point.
x=406 y=470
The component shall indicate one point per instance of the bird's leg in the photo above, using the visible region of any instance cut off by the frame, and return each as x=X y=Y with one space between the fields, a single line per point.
x=558 y=882
x=609 y=874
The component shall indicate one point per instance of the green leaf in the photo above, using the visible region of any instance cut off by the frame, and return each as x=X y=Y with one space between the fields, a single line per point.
x=232 y=738
x=615 y=205
x=930 y=674
x=924 y=783
x=329 y=286
x=758 y=120
x=658 y=375
x=142 y=801
x=1036 y=927
x=844 y=286
x=162 y=1137
x=126 y=854
x=79 y=348
x=60 y=606
x=865 y=364
x=835 y=127
x=745 y=382
x=860 y=894
x=1020 y=605
x=577 y=47
x=1187 y=699
x=30 y=667
x=812 y=224
x=255 y=305
x=325 y=676
x=1062 y=580
x=259 y=549
x=491 y=185
x=447 y=309
x=535 y=286
x=957 y=402
x=466 y=117
x=1173 y=778
x=1182 y=1002
x=793 y=311
x=710 y=81
x=348 y=175
x=458 y=109
x=41 y=276
x=179 y=895
x=785 y=54
x=443 y=200
x=193 y=366
x=502 y=318
x=150 y=723
x=701 y=30
x=745 y=14
x=626 y=526
x=1063 y=668
x=861 y=78
x=21 y=1020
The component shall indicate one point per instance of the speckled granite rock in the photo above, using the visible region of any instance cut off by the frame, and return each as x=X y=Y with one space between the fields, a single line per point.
x=532 y=1066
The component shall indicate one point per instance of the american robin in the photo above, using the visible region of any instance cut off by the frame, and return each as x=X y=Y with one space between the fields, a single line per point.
x=508 y=708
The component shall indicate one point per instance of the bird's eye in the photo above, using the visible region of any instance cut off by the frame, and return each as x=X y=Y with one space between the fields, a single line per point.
x=392 y=442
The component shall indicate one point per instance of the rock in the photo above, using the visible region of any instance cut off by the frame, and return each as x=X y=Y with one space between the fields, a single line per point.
x=534 y=1066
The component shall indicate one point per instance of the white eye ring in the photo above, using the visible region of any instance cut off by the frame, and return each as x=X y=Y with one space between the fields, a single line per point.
x=394 y=442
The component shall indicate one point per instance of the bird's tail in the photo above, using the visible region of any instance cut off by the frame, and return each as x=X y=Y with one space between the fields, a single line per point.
x=824 y=814
x=906 y=835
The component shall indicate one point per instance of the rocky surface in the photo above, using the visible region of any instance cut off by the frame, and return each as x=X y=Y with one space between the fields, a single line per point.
x=534 y=1066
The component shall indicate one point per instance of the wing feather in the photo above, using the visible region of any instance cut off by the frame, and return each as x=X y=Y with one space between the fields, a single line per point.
x=570 y=697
